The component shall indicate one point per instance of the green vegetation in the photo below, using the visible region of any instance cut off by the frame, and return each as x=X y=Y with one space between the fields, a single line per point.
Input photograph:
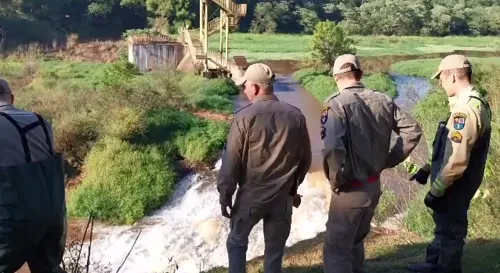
x=485 y=208
x=125 y=130
x=427 y=68
x=297 y=46
x=330 y=41
x=322 y=85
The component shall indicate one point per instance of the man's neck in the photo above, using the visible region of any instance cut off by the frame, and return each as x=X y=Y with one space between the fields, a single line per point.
x=463 y=88
x=349 y=84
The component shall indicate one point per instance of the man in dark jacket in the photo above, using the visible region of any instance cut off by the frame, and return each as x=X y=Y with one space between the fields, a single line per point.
x=267 y=155
x=32 y=196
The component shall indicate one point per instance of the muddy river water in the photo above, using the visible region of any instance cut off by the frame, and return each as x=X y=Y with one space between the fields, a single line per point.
x=189 y=233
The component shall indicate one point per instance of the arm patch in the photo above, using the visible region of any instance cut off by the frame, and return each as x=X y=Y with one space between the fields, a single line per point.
x=459 y=120
x=324 y=115
x=456 y=137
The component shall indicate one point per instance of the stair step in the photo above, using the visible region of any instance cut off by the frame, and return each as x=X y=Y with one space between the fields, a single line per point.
x=240 y=61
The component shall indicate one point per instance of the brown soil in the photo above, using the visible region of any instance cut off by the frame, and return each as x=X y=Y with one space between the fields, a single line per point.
x=213 y=116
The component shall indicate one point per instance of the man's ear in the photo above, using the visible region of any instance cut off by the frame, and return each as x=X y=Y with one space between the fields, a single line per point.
x=11 y=99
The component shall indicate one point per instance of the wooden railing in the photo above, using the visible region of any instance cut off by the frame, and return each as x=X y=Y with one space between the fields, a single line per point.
x=232 y=7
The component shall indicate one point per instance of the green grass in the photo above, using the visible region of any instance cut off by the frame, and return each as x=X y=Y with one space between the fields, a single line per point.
x=427 y=68
x=322 y=85
x=386 y=252
x=295 y=47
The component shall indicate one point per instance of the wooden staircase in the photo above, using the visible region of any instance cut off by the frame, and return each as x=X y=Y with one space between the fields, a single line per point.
x=214 y=59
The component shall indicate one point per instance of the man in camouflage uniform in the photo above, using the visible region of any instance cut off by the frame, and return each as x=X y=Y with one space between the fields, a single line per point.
x=267 y=154
x=357 y=124
x=460 y=150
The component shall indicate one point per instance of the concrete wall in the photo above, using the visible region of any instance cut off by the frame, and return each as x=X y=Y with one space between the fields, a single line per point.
x=155 y=56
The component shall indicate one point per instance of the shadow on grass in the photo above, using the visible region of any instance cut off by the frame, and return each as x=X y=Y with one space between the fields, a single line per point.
x=385 y=254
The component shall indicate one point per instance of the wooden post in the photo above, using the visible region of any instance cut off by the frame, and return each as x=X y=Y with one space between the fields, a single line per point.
x=221 y=25
x=227 y=37
x=205 y=35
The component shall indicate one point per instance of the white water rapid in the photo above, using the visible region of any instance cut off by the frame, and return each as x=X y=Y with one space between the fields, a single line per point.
x=190 y=232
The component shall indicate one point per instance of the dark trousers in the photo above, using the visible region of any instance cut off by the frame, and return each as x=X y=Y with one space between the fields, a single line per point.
x=446 y=249
x=277 y=222
x=348 y=224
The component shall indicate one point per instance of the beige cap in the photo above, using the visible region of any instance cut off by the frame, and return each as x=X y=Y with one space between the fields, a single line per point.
x=452 y=62
x=345 y=59
x=257 y=73
x=4 y=86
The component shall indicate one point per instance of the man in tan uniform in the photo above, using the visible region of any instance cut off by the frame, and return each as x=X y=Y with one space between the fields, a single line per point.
x=267 y=155
x=356 y=129
x=459 y=156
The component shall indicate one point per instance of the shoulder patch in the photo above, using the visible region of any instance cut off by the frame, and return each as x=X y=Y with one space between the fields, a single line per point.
x=323 y=132
x=459 y=119
x=324 y=114
x=456 y=137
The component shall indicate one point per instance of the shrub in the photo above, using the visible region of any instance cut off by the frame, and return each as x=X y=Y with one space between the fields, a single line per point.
x=121 y=183
x=202 y=142
x=330 y=41
x=124 y=123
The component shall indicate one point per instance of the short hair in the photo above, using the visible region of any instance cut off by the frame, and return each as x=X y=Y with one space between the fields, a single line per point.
x=268 y=88
x=354 y=74
x=461 y=73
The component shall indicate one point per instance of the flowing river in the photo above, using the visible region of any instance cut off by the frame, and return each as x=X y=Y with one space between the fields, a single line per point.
x=188 y=232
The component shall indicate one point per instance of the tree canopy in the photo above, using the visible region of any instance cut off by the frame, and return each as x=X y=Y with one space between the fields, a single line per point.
x=43 y=19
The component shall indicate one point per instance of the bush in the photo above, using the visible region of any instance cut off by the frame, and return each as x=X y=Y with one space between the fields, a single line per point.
x=121 y=183
x=330 y=41
x=124 y=123
x=202 y=143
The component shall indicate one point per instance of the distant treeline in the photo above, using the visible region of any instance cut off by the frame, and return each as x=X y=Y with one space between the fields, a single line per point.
x=43 y=20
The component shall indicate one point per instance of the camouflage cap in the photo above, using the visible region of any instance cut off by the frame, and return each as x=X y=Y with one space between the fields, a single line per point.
x=452 y=62
x=346 y=59
x=4 y=87
x=257 y=73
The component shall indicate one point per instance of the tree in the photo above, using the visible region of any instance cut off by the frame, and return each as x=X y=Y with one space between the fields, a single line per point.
x=329 y=42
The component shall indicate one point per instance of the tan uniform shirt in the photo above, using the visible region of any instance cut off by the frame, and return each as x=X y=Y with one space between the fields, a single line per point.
x=357 y=125
x=267 y=153
x=468 y=120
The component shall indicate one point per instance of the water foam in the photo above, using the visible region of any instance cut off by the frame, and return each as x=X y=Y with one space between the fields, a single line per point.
x=190 y=232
